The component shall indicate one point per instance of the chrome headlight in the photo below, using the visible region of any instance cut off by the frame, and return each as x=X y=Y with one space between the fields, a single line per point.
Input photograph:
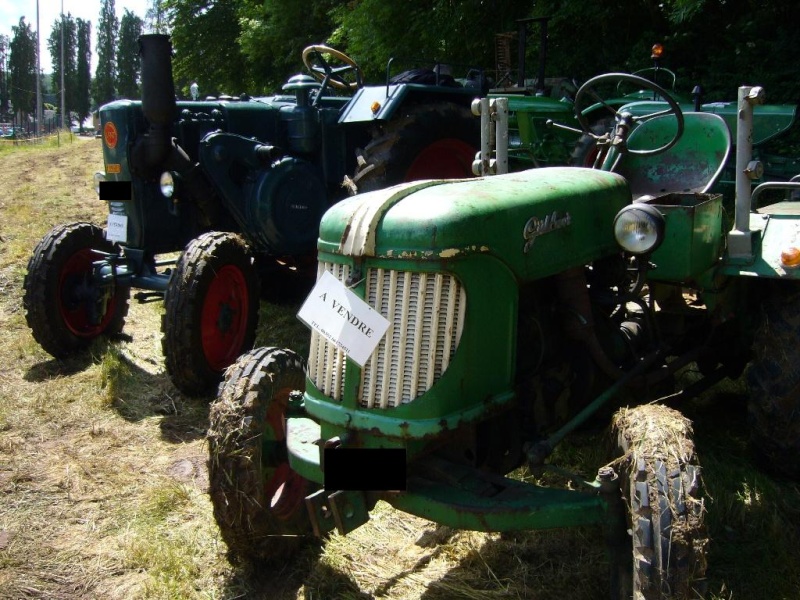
x=167 y=184
x=639 y=228
x=98 y=177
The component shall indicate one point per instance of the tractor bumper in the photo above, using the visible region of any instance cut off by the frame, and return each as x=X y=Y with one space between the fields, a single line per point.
x=448 y=493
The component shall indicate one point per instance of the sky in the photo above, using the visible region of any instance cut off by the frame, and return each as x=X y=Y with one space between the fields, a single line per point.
x=49 y=10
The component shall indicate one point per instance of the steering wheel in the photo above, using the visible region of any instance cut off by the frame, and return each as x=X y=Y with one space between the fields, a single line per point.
x=321 y=70
x=626 y=119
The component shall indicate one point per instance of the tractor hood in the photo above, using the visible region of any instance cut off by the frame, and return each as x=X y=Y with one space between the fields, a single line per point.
x=538 y=222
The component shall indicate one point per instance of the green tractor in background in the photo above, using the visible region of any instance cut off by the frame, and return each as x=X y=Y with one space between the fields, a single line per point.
x=462 y=329
x=237 y=187
x=550 y=125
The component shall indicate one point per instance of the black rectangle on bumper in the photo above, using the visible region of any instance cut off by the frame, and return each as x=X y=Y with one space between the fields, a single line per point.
x=365 y=469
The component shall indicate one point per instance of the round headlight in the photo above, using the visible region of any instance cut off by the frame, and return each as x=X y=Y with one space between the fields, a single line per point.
x=167 y=184
x=639 y=228
x=98 y=177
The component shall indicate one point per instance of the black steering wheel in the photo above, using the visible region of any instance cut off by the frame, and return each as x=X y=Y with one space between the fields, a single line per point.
x=321 y=70
x=624 y=121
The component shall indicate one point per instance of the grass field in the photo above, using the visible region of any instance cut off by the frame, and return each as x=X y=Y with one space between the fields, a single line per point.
x=103 y=484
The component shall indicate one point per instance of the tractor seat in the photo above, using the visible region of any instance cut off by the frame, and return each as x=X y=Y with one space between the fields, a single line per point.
x=693 y=164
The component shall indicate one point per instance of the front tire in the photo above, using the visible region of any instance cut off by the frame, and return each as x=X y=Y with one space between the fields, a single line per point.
x=64 y=306
x=428 y=141
x=773 y=380
x=211 y=311
x=259 y=501
x=660 y=477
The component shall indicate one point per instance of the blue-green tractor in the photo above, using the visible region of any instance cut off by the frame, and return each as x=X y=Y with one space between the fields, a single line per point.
x=236 y=188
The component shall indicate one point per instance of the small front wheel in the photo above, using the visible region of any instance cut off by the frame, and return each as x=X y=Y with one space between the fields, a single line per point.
x=66 y=307
x=660 y=477
x=211 y=311
x=259 y=501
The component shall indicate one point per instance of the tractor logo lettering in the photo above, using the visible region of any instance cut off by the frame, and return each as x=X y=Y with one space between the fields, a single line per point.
x=536 y=227
x=110 y=135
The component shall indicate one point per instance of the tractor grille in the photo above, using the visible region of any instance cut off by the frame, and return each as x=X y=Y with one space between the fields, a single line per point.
x=426 y=316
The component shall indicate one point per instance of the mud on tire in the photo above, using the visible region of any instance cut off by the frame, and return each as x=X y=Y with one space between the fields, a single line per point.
x=211 y=311
x=258 y=499
x=660 y=480
x=428 y=141
x=773 y=379
x=63 y=307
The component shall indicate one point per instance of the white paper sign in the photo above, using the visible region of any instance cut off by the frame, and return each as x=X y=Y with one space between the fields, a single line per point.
x=343 y=318
x=117 y=228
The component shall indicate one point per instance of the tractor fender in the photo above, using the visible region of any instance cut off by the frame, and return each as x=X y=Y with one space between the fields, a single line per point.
x=381 y=103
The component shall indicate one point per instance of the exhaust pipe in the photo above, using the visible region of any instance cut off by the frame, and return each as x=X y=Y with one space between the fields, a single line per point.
x=156 y=151
x=158 y=89
x=158 y=103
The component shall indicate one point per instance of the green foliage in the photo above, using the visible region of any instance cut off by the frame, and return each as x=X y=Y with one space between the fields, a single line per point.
x=83 y=76
x=107 y=32
x=460 y=32
x=128 y=64
x=22 y=68
x=155 y=19
x=4 y=48
x=205 y=38
x=275 y=32
x=64 y=31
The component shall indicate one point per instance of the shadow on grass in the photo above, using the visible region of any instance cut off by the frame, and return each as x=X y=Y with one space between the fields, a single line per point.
x=55 y=368
x=753 y=517
x=301 y=575
x=133 y=392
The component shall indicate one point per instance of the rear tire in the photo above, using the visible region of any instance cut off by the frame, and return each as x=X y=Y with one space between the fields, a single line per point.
x=64 y=307
x=585 y=151
x=660 y=480
x=428 y=141
x=211 y=311
x=259 y=501
x=773 y=379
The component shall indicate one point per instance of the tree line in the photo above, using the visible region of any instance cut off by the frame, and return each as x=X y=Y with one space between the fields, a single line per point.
x=253 y=46
x=116 y=75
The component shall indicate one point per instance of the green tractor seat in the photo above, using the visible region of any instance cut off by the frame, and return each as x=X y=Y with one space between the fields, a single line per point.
x=693 y=164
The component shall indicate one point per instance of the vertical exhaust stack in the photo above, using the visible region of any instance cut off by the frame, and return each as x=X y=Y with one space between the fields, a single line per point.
x=158 y=101
x=158 y=89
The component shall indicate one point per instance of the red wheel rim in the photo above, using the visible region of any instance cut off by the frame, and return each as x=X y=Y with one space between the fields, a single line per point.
x=591 y=156
x=73 y=284
x=284 y=489
x=226 y=312
x=445 y=159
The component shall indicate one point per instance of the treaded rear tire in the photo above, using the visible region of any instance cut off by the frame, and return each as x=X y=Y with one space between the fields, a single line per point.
x=426 y=141
x=210 y=311
x=585 y=150
x=660 y=481
x=259 y=520
x=58 y=285
x=773 y=379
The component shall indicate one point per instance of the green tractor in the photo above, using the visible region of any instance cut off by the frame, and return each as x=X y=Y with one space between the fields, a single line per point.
x=462 y=329
x=237 y=187
x=551 y=125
